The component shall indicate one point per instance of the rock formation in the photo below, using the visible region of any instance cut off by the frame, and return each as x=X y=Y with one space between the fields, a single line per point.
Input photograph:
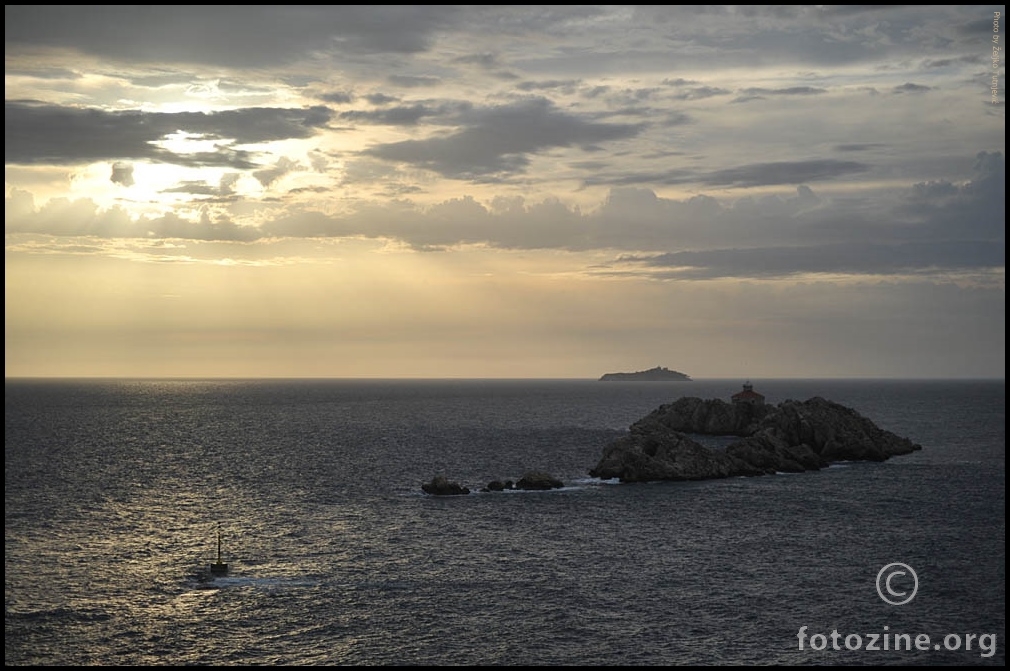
x=793 y=436
x=442 y=486
x=531 y=480
x=539 y=480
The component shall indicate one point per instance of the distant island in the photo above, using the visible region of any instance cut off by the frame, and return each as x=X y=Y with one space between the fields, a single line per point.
x=657 y=374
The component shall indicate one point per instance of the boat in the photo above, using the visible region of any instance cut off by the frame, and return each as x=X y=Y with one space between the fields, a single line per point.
x=218 y=568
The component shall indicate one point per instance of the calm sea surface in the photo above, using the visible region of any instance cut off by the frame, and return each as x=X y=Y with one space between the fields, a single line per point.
x=115 y=490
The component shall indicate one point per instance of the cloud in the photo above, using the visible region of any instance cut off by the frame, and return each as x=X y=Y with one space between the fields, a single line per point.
x=83 y=218
x=223 y=192
x=700 y=93
x=549 y=85
x=859 y=146
x=835 y=259
x=283 y=166
x=581 y=161
x=414 y=81
x=974 y=210
x=394 y=116
x=498 y=140
x=936 y=227
x=485 y=60
x=926 y=229
x=789 y=91
x=380 y=98
x=339 y=97
x=122 y=173
x=38 y=133
x=256 y=36
x=782 y=172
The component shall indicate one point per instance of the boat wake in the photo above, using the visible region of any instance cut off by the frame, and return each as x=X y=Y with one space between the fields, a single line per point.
x=232 y=582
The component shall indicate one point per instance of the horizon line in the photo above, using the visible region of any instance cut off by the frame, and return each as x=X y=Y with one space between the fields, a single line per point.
x=484 y=378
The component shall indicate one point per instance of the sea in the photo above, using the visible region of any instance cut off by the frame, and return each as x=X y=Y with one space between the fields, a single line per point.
x=116 y=491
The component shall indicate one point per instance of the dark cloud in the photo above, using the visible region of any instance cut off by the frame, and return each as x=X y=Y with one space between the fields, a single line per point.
x=122 y=173
x=40 y=134
x=43 y=72
x=195 y=188
x=968 y=59
x=700 y=93
x=596 y=92
x=666 y=36
x=859 y=146
x=549 y=85
x=854 y=258
x=339 y=97
x=499 y=140
x=223 y=157
x=483 y=60
x=676 y=119
x=789 y=91
x=591 y=166
x=380 y=99
x=394 y=116
x=248 y=37
x=974 y=210
x=784 y=172
x=758 y=174
x=939 y=227
x=159 y=79
x=413 y=81
x=976 y=28
x=626 y=178
x=680 y=81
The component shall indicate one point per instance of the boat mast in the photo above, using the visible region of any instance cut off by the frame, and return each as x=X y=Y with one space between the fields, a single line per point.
x=219 y=567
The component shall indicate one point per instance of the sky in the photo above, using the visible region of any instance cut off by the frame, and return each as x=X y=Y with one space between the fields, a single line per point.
x=504 y=191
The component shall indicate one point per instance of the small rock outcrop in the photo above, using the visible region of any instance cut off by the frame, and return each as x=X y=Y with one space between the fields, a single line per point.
x=791 y=437
x=539 y=480
x=442 y=486
x=531 y=480
x=498 y=486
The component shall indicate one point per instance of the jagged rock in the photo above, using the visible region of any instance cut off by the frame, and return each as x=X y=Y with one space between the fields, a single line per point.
x=539 y=480
x=441 y=486
x=835 y=432
x=791 y=437
x=658 y=453
x=709 y=417
x=772 y=454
